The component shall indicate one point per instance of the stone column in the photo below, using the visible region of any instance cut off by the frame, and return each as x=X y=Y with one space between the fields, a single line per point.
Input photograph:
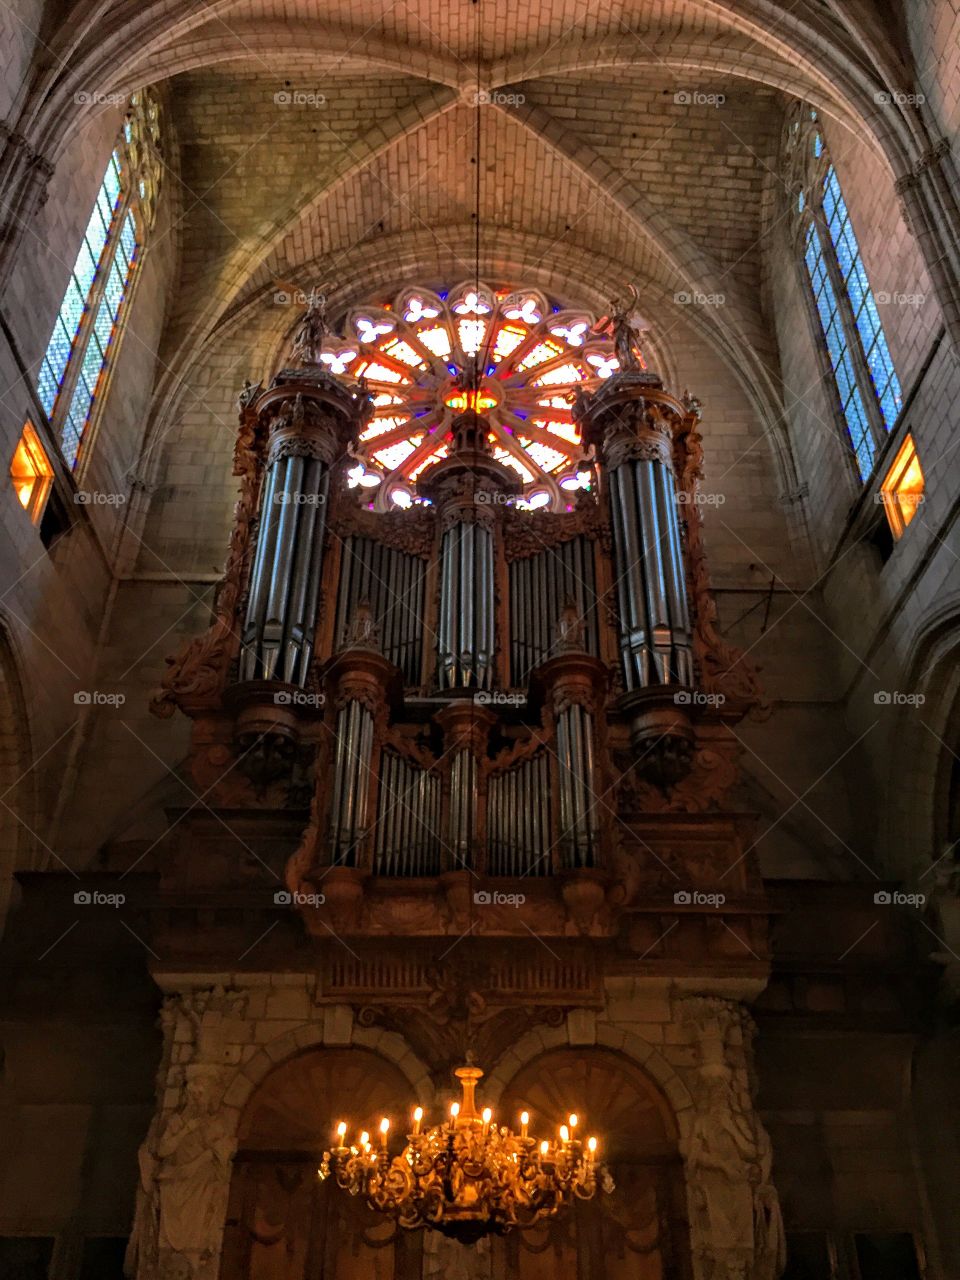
x=186 y=1158
x=736 y=1227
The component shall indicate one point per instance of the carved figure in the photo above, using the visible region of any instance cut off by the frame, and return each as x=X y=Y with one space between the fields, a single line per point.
x=191 y=1171
x=308 y=340
x=624 y=333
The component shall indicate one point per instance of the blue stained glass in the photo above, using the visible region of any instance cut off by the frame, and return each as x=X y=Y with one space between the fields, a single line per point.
x=817 y=145
x=128 y=237
x=872 y=347
x=69 y=332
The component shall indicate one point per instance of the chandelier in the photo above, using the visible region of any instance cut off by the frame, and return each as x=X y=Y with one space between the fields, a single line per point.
x=468 y=1177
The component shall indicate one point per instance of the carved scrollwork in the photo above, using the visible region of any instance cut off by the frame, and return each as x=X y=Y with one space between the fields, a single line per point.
x=527 y=533
x=412 y=531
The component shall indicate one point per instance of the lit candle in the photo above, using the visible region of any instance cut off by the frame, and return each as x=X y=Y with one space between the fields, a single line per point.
x=487 y=1117
x=454 y=1110
x=564 y=1133
x=544 y=1148
x=384 y=1130
x=592 y=1146
x=341 y=1133
x=574 y=1120
x=364 y=1139
x=524 y=1121
x=417 y=1117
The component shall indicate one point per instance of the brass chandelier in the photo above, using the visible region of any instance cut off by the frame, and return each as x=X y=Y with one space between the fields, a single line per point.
x=468 y=1177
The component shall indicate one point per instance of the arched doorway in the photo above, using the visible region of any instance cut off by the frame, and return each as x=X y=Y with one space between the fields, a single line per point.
x=640 y=1231
x=283 y=1223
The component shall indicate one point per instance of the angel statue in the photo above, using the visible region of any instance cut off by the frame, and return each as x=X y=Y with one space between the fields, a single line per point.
x=622 y=317
x=308 y=340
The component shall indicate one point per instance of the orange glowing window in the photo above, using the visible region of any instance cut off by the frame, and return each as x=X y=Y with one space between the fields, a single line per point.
x=31 y=473
x=902 y=490
x=478 y=401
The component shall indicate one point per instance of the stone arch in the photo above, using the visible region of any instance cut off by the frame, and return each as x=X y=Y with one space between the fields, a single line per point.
x=644 y=1214
x=280 y=1214
x=387 y=1045
x=633 y=1048
x=928 y=742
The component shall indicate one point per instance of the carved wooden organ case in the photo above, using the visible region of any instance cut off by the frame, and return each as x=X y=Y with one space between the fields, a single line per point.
x=480 y=701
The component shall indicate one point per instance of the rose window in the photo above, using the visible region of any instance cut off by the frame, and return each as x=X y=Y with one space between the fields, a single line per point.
x=510 y=355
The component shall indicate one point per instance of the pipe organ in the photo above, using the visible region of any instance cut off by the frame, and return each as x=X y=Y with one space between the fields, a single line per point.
x=470 y=682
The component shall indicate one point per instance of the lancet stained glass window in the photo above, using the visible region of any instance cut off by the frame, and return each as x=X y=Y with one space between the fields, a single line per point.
x=510 y=354
x=77 y=357
x=868 y=389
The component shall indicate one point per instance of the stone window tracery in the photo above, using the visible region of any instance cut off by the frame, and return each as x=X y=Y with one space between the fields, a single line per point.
x=868 y=389
x=75 y=365
x=512 y=355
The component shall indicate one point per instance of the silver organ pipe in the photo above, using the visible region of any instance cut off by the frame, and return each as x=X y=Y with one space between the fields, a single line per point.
x=351 y=783
x=465 y=634
x=518 y=827
x=278 y=633
x=578 y=836
x=540 y=585
x=462 y=813
x=407 y=841
x=655 y=635
x=392 y=583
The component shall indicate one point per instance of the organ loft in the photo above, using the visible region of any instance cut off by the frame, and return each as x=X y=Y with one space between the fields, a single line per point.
x=466 y=704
